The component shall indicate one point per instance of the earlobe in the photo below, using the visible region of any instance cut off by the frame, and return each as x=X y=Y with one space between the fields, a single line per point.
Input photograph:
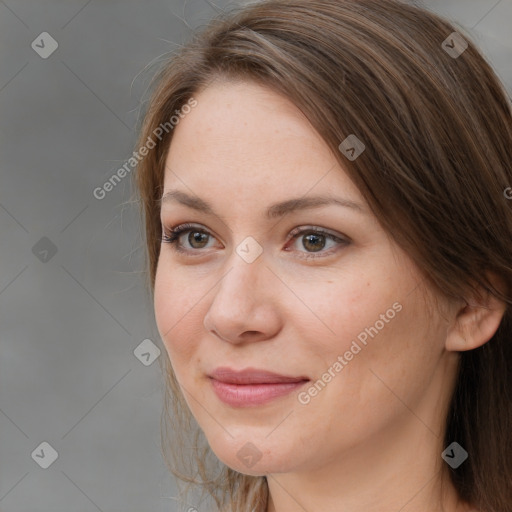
x=475 y=323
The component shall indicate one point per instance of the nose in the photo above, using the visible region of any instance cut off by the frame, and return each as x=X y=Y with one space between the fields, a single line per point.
x=244 y=307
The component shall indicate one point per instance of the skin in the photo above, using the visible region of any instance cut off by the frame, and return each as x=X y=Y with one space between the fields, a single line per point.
x=371 y=439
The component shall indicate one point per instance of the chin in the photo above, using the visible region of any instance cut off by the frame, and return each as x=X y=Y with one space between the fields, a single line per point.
x=252 y=458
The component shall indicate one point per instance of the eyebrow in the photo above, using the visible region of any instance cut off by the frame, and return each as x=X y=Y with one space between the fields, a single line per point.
x=274 y=211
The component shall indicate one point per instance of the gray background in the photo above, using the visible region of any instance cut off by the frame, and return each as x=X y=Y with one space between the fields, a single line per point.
x=72 y=317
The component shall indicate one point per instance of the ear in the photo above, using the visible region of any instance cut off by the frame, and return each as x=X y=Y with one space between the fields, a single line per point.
x=475 y=322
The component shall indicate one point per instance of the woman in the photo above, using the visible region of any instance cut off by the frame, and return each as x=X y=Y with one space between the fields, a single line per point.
x=329 y=238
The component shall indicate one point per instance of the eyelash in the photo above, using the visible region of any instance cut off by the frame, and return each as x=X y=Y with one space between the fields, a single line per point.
x=172 y=236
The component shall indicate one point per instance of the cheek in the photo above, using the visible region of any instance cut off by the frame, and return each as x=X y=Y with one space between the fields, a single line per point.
x=177 y=308
x=337 y=309
x=374 y=322
x=370 y=385
x=385 y=364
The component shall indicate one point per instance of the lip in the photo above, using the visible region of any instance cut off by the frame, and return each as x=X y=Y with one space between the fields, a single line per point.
x=251 y=386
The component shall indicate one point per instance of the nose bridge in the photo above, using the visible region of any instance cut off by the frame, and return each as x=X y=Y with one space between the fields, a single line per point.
x=242 y=281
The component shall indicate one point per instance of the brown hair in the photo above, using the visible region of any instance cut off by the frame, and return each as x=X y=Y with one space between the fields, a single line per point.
x=438 y=135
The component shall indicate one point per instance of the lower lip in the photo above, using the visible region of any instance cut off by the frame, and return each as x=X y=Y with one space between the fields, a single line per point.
x=244 y=395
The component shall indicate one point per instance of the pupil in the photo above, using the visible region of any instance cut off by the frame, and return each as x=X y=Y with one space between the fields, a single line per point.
x=315 y=239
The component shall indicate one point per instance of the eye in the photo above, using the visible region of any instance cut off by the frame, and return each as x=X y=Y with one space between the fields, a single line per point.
x=315 y=240
x=197 y=237
x=312 y=239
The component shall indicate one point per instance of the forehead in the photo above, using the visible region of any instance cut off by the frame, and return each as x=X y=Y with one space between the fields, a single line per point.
x=245 y=136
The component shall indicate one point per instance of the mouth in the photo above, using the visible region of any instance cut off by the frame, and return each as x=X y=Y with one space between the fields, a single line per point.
x=252 y=387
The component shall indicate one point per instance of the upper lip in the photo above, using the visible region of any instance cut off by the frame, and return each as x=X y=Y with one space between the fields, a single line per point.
x=251 y=376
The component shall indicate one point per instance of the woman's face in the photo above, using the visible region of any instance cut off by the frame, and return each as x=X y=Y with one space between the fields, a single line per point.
x=342 y=313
